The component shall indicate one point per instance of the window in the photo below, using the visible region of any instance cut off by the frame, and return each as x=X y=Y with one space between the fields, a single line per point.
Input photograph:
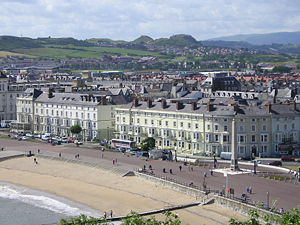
x=241 y=128
x=152 y=122
x=123 y=119
x=225 y=120
x=253 y=128
x=264 y=138
x=181 y=124
x=293 y=126
x=159 y=122
x=146 y=121
x=253 y=120
x=174 y=123
x=167 y=123
x=208 y=127
x=225 y=138
x=137 y=120
x=189 y=125
x=225 y=128
x=241 y=138
x=216 y=138
x=196 y=126
x=216 y=127
x=264 y=128
x=277 y=127
x=253 y=139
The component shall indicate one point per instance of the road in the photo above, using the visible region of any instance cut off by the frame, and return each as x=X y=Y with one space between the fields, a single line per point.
x=285 y=194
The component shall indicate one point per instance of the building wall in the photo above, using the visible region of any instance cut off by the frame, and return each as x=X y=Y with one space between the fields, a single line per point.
x=201 y=134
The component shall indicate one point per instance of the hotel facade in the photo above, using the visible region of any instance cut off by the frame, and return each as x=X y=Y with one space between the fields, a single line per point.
x=262 y=130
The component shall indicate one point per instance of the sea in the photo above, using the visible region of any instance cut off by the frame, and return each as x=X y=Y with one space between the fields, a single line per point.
x=23 y=206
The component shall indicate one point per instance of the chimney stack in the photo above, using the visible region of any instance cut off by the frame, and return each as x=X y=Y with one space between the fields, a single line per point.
x=50 y=93
x=136 y=102
x=179 y=105
x=163 y=103
x=210 y=107
x=149 y=103
x=194 y=106
x=268 y=107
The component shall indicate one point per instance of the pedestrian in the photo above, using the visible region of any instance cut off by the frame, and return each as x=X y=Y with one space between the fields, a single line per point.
x=59 y=154
x=2 y=149
x=150 y=167
x=38 y=151
x=192 y=169
x=205 y=174
x=144 y=167
x=211 y=172
x=180 y=168
x=113 y=162
x=35 y=161
x=104 y=215
x=164 y=170
x=111 y=213
x=171 y=172
x=250 y=190
x=77 y=156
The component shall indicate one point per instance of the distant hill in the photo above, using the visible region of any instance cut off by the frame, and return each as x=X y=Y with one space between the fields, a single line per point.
x=9 y=43
x=264 y=39
x=142 y=40
x=179 y=40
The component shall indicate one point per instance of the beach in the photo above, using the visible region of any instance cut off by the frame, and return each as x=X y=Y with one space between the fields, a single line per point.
x=103 y=191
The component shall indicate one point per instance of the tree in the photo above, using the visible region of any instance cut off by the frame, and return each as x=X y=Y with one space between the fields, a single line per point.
x=75 y=129
x=148 y=143
x=132 y=219
x=291 y=217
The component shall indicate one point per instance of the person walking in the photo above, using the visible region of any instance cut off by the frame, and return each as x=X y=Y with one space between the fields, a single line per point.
x=59 y=154
x=180 y=168
x=111 y=213
x=171 y=172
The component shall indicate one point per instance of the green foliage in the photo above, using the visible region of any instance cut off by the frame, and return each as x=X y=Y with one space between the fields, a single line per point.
x=83 y=220
x=132 y=219
x=75 y=129
x=282 y=69
x=291 y=217
x=148 y=143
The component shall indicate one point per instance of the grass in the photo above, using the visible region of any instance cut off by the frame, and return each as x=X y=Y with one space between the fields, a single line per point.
x=296 y=168
x=278 y=177
x=4 y=136
x=70 y=51
x=5 y=54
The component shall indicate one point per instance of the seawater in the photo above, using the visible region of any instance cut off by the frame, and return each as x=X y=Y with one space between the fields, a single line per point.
x=21 y=205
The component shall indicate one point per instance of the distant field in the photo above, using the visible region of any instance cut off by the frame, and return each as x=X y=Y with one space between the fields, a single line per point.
x=69 y=51
x=5 y=53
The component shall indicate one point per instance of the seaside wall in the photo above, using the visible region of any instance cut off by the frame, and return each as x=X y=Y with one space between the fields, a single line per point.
x=200 y=195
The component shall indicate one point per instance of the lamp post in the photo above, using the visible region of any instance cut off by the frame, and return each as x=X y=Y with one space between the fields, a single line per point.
x=268 y=198
x=254 y=166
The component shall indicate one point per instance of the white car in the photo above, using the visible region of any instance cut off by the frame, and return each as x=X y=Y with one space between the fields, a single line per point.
x=78 y=142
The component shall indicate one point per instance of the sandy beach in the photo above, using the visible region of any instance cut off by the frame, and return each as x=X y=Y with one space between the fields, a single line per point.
x=105 y=191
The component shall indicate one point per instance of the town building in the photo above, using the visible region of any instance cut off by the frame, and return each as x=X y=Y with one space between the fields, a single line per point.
x=51 y=112
x=205 y=129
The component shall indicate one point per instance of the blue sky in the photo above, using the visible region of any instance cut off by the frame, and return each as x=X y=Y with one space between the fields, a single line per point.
x=128 y=19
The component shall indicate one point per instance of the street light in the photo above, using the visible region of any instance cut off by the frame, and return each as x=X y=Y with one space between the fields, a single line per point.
x=268 y=197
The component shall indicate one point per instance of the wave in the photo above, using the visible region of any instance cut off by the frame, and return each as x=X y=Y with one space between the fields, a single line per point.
x=42 y=201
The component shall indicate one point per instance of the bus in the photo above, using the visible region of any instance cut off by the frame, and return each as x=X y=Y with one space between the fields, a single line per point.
x=126 y=144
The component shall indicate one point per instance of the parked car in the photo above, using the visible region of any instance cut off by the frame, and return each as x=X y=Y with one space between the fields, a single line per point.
x=275 y=163
x=71 y=141
x=120 y=149
x=78 y=142
x=287 y=158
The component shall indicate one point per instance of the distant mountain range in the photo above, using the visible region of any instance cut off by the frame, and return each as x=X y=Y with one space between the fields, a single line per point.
x=284 y=42
x=264 y=39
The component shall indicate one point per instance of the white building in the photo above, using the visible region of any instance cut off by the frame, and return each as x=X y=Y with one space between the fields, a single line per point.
x=50 y=112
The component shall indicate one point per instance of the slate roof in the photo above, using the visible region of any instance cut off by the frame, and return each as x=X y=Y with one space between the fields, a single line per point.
x=222 y=110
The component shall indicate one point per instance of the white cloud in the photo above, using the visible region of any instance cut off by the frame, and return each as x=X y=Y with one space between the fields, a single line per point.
x=121 y=19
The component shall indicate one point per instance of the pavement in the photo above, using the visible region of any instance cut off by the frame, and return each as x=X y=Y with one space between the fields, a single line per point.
x=286 y=195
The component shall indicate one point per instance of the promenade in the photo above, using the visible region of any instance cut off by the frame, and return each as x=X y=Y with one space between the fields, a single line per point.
x=285 y=194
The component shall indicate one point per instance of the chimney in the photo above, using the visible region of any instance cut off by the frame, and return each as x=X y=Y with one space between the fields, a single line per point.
x=149 y=103
x=210 y=107
x=194 y=105
x=136 y=102
x=268 y=107
x=50 y=93
x=179 y=105
x=163 y=103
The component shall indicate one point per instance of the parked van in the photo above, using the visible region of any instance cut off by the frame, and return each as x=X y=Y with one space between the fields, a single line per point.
x=225 y=155
x=46 y=136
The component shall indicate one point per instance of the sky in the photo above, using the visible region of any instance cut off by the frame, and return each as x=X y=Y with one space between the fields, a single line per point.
x=129 y=19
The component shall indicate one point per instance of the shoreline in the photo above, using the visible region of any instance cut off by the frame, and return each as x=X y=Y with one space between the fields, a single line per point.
x=104 y=191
